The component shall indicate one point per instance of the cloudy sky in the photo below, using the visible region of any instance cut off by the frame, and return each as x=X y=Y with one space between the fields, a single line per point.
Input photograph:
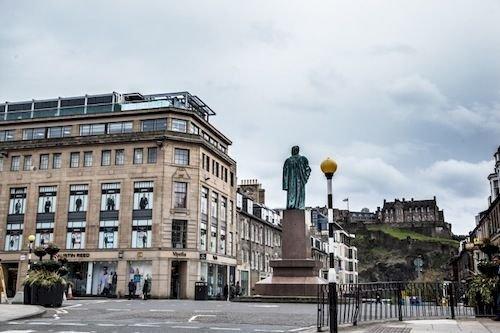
x=406 y=97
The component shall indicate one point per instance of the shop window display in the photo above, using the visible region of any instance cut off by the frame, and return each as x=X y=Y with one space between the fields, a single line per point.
x=104 y=278
x=108 y=234
x=78 y=198
x=141 y=233
x=75 y=236
x=138 y=272
x=17 y=202
x=110 y=197
x=47 y=199
x=143 y=195
x=44 y=233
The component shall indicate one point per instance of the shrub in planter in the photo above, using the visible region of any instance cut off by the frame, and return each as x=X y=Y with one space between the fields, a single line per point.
x=480 y=293
x=488 y=268
x=49 y=265
x=47 y=288
x=40 y=252
x=52 y=250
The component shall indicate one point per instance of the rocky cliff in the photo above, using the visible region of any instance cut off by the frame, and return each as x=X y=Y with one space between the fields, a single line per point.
x=387 y=254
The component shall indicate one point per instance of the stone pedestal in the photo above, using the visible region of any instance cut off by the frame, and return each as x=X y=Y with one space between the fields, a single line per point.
x=296 y=274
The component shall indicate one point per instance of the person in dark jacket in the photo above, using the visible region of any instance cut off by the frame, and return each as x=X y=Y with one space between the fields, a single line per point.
x=226 y=292
x=131 y=289
x=146 y=288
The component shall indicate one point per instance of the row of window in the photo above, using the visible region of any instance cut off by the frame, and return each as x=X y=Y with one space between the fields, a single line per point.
x=258 y=261
x=159 y=124
x=218 y=170
x=214 y=209
x=141 y=155
x=108 y=235
x=259 y=234
x=110 y=201
x=77 y=160
x=110 y=198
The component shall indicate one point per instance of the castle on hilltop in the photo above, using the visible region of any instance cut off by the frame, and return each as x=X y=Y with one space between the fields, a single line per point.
x=422 y=216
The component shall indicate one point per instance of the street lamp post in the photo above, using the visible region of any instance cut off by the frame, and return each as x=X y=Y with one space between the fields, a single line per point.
x=328 y=167
x=31 y=239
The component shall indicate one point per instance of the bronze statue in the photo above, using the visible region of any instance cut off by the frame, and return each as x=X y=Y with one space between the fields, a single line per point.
x=296 y=172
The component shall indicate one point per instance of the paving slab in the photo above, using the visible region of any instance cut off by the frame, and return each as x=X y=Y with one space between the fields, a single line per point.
x=426 y=326
x=10 y=312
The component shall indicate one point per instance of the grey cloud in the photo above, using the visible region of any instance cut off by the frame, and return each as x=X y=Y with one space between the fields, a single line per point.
x=397 y=48
x=385 y=95
x=416 y=91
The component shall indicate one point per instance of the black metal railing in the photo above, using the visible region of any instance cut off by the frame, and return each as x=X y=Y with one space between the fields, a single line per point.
x=365 y=302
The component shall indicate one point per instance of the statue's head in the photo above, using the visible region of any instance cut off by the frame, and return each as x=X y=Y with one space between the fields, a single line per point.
x=295 y=150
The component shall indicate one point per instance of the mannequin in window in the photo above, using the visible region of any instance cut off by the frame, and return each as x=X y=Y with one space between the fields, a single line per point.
x=11 y=243
x=78 y=204
x=106 y=242
x=144 y=239
x=143 y=204
x=73 y=241
x=17 y=207
x=42 y=240
x=110 y=203
x=48 y=206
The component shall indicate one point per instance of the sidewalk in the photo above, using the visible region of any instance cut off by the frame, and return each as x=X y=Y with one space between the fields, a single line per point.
x=10 y=312
x=427 y=326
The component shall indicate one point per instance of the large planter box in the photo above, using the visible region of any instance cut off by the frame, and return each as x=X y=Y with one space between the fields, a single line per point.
x=47 y=296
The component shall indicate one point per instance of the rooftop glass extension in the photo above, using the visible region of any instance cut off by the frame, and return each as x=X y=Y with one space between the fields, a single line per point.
x=105 y=103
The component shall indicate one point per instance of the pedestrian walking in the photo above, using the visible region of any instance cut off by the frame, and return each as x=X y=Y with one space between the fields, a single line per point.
x=131 y=289
x=232 y=292
x=114 y=282
x=226 y=292
x=238 y=289
x=146 y=288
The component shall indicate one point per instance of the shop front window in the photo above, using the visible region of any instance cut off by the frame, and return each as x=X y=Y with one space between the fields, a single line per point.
x=44 y=233
x=110 y=197
x=143 y=195
x=17 y=202
x=75 y=236
x=138 y=272
x=47 y=199
x=78 y=198
x=14 y=237
x=108 y=234
x=141 y=233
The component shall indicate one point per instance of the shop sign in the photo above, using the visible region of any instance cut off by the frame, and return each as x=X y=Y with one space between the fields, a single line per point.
x=203 y=256
x=76 y=255
x=179 y=254
x=22 y=257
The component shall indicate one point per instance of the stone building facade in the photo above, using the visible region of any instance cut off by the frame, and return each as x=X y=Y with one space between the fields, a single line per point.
x=422 y=216
x=128 y=183
x=346 y=253
x=487 y=229
x=259 y=237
